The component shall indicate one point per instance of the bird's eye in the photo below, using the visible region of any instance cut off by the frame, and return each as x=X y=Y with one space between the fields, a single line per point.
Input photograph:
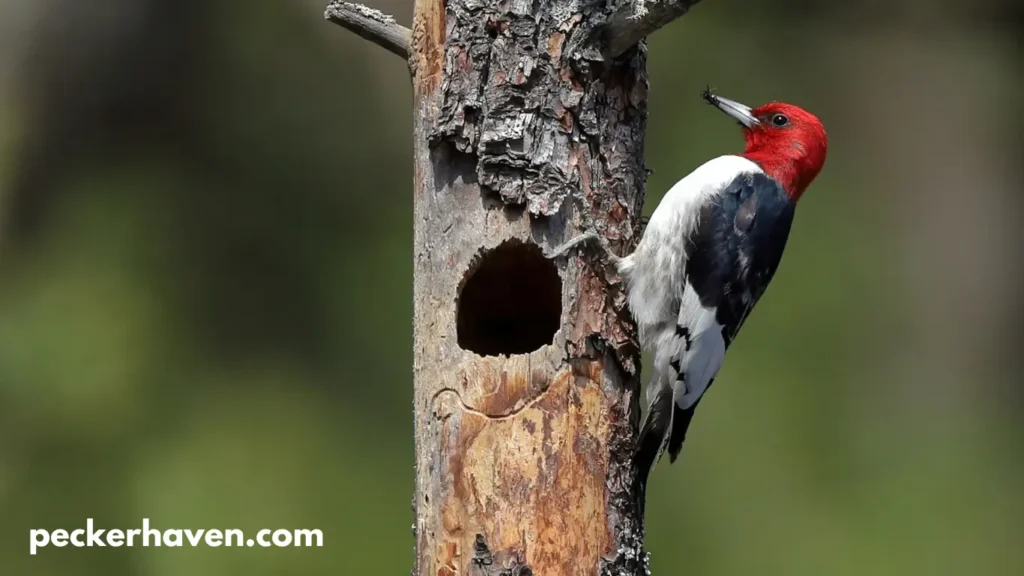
x=780 y=120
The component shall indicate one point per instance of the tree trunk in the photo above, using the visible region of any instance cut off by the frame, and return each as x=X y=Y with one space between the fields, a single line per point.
x=526 y=368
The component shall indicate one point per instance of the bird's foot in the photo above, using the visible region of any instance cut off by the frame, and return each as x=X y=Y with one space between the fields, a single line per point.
x=589 y=237
x=566 y=247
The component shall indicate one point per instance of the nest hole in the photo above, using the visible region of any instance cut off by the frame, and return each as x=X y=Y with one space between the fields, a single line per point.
x=510 y=301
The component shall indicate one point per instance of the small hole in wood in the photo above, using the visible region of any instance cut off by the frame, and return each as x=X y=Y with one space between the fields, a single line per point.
x=510 y=301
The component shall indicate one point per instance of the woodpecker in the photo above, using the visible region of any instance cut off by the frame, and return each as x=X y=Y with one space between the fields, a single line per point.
x=705 y=258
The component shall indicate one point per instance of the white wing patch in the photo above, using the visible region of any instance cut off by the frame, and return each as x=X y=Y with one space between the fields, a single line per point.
x=700 y=349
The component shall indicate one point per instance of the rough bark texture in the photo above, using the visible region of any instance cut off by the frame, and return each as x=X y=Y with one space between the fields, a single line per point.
x=523 y=460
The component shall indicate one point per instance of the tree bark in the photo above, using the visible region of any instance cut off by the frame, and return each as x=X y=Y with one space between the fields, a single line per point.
x=522 y=461
x=526 y=370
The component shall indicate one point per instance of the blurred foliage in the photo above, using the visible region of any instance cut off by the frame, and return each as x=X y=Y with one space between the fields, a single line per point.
x=205 y=290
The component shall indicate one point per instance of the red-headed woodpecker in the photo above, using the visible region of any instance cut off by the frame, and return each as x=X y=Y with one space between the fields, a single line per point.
x=707 y=255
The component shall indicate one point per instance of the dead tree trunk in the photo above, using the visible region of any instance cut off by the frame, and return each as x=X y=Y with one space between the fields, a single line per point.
x=526 y=369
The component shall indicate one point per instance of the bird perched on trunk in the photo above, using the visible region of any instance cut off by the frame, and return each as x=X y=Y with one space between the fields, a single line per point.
x=706 y=256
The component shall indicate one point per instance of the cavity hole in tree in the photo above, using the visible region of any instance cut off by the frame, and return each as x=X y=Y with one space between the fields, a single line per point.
x=510 y=301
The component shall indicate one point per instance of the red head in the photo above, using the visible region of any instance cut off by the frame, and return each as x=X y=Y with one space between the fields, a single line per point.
x=786 y=141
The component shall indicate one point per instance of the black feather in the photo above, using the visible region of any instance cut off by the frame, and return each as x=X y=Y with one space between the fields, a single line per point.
x=680 y=424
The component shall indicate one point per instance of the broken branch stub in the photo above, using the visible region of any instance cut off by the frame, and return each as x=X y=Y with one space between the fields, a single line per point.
x=371 y=24
x=635 y=20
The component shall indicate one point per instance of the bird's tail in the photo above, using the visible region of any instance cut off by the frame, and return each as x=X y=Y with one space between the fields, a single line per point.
x=680 y=424
x=654 y=436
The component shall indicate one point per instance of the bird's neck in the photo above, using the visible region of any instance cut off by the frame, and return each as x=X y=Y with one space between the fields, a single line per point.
x=782 y=169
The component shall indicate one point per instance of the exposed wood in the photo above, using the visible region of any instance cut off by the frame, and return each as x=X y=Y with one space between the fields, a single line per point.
x=372 y=25
x=525 y=368
x=637 y=19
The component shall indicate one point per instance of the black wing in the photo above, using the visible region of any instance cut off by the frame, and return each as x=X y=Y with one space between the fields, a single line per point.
x=733 y=256
x=738 y=246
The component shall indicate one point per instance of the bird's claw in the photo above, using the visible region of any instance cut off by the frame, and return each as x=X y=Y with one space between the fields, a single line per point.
x=563 y=249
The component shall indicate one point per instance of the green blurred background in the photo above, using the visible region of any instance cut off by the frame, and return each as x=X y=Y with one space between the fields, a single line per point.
x=205 y=289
